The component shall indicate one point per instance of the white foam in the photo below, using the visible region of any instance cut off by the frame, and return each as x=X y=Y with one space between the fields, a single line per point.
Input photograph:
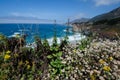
x=50 y=40
x=72 y=38
x=65 y=30
x=15 y=34
x=75 y=37
x=70 y=30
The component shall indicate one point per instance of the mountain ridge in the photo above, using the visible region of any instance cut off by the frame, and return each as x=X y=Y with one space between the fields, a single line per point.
x=81 y=20
x=115 y=13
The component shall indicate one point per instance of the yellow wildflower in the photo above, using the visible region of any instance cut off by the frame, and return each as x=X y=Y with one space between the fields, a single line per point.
x=20 y=63
x=8 y=52
x=110 y=58
x=7 y=57
x=0 y=38
x=101 y=61
x=92 y=77
x=27 y=62
x=28 y=66
x=16 y=55
x=74 y=51
x=17 y=36
x=106 y=68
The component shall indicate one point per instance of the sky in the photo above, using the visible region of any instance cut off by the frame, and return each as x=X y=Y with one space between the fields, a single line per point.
x=49 y=10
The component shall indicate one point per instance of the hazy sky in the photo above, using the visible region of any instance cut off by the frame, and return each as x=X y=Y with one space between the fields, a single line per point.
x=60 y=10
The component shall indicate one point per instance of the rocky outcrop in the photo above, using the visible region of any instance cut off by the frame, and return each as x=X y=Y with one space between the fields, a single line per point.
x=82 y=27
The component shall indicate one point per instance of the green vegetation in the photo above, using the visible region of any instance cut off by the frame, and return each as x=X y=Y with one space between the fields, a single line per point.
x=84 y=43
x=20 y=62
x=56 y=62
x=113 y=21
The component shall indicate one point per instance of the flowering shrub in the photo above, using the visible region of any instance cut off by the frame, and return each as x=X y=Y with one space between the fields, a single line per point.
x=7 y=57
x=106 y=68
x=96 y=59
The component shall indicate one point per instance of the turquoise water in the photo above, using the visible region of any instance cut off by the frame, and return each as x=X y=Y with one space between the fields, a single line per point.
x=43 y=30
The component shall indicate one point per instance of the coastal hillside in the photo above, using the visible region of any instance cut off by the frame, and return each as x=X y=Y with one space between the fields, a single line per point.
x=81 y=20
x=107 y=16
x=107 y=24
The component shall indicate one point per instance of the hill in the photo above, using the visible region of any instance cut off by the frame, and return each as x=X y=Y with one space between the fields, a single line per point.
x=107 y=24
x=107 y=16
x=81 y=20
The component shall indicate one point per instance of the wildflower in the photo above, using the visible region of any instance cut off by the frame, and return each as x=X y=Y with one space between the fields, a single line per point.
x=106 y=68
x=92 y=77
x=63 y=70
x=17 y=36
x=27 y=62
x=64 y=62
x=8 y=52
x=28 y=66
x=20 y=63
x=110 y=58
x=16 y=55
x=74 y=51
x=96 y=71
x=7 y=57
x=0 y=38
x=101 y=61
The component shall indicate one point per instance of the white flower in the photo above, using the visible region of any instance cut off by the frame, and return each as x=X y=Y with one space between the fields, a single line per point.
x=63 y=70
x=64 y=62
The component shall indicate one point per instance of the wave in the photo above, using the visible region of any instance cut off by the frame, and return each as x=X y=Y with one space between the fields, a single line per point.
x=15 y=34
x=69 y=30
x=72 y=38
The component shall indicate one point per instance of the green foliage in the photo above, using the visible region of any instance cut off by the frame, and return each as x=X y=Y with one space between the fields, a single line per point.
x=108 y=22
x=84 y=43
x=65 y=41
x=55 y=64
x=100 y=22
x=38 y=43
x=46 y=44
x=49 y=56
x=57 y=55
x=113 y=21
x=55 y=40
x=11 y=43
x=3 y=42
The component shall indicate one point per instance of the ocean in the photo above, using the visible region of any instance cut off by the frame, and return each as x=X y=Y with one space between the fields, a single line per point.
x=42 y=30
